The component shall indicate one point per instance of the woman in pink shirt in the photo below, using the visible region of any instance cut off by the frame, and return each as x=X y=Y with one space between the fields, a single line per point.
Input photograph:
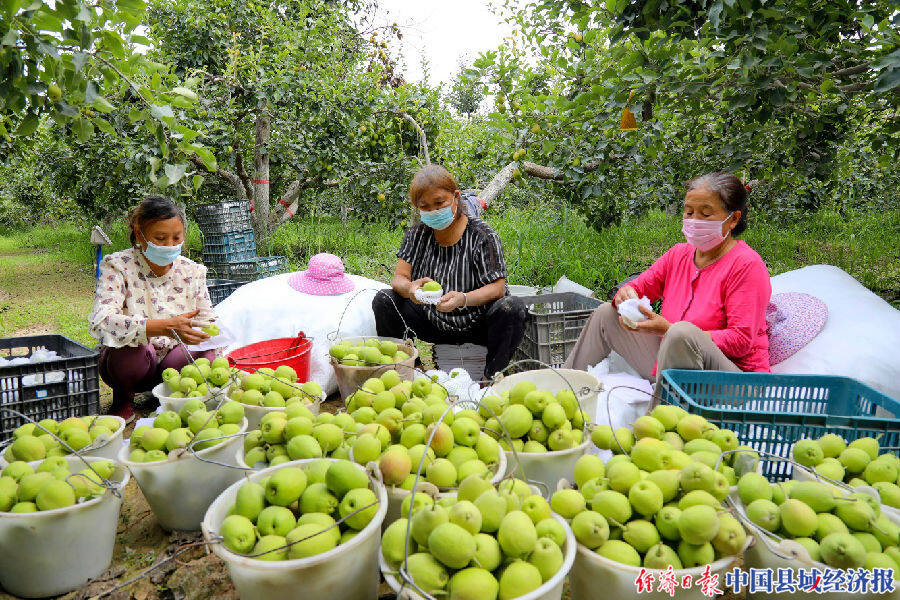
x=714 y=291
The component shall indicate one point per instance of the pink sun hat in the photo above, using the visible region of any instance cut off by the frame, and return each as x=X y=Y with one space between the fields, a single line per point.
x=324 y=277
x=794 y=320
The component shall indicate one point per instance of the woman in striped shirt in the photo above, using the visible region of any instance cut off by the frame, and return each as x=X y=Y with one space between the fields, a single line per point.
x=464 y=255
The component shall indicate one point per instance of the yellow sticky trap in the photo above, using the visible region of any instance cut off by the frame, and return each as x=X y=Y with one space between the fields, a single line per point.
x=628 y=121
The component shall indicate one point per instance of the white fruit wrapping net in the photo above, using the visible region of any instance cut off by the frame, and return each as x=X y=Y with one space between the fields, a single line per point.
x=428 y=297
x=630 y=310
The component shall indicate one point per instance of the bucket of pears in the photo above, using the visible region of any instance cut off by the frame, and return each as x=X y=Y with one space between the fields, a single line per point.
x=264 y=391
x=820 y=522
x=202 y=379
x=58 y=519
x=859 y=464
x=485 y=541
x=656 y=505
x=545 y=413
x=185 y=460
x=96 y=436
x=307 y=528
x=356 y=359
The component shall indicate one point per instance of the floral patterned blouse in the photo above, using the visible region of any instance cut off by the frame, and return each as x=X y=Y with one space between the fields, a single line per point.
x=129 y=293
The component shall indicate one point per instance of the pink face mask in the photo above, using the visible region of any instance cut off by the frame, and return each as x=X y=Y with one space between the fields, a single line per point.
x=702 y=234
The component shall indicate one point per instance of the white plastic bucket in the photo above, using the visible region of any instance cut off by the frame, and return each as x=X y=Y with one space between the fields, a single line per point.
x=347 y=572
x=397 y=495
x=801 y=473
x=582 y=383
x=597 y=578
x=546 y=468
x=551 y=590
x=56 y=551
x=180 y=490
x=760 y=556
x=108 y=449
x=255 y=414
x=522 y=290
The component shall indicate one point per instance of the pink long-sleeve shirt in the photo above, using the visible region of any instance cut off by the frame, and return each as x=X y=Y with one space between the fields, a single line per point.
x=727 y=298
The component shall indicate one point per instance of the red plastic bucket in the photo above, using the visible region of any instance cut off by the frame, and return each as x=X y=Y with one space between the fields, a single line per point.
x=293 y=352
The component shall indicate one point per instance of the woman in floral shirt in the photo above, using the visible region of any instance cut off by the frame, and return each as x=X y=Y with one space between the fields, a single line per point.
x=145 y=295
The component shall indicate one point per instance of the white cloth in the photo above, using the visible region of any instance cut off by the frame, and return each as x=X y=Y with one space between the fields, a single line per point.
x=861 y=337
x=619 y=406
x=270 y=308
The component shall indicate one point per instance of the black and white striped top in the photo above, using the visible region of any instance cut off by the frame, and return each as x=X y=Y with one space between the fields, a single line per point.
x=473 y=262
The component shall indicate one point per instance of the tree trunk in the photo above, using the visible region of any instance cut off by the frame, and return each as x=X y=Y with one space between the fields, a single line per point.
x=262 y=132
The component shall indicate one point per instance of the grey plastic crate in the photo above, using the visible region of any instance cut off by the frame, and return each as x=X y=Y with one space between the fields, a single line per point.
x=553 y=325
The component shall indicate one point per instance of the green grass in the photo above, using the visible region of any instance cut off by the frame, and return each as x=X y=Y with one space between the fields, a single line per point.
x=46 y=273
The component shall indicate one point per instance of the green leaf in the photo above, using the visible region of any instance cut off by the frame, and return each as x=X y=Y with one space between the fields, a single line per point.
x=28 y=125
x=197 y=181
x=204 y=154
x=91 y=92
x=11 y=37
x=175 y=172
x=888 y=80
x=135 y=115
x=104 y=126
x=11 y=6
x=83 y=128
x=185 y=93
x=715 y=12
x=43 y=20
x=162 y=111
x=79 y=59
x=133 y=7
x=113 y=42
x=102 y=104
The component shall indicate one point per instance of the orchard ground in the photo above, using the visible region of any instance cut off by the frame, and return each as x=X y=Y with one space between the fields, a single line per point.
x=47 y=283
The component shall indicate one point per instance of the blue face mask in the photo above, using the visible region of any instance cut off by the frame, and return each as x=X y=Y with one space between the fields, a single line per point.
x=438 y=219
x=161 y=255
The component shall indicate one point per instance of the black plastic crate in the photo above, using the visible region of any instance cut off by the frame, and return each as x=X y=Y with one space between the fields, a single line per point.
x=68 y=386
x=224 y=217
x=219 y=289
x=248 y=270
x=229 y=247
x=553 y=325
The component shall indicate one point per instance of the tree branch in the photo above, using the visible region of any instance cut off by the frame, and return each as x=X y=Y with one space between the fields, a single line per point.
x=228 y=176
x=242 y=173
x=857 y=70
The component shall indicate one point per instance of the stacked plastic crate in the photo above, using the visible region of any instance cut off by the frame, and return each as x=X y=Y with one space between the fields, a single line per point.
x=229 y=248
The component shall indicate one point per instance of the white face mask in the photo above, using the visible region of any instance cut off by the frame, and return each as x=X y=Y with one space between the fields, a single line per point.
x=160 y=255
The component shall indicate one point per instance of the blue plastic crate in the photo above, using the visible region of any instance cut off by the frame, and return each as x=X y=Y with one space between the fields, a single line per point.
x=224 y=217
x=770 y=412
x=248 y=270
x=229 y=247
x=219 y=289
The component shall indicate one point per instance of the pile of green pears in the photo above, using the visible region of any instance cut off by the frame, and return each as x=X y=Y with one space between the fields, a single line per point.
x=173 y=431
x=486 y=542
x=294 y=512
